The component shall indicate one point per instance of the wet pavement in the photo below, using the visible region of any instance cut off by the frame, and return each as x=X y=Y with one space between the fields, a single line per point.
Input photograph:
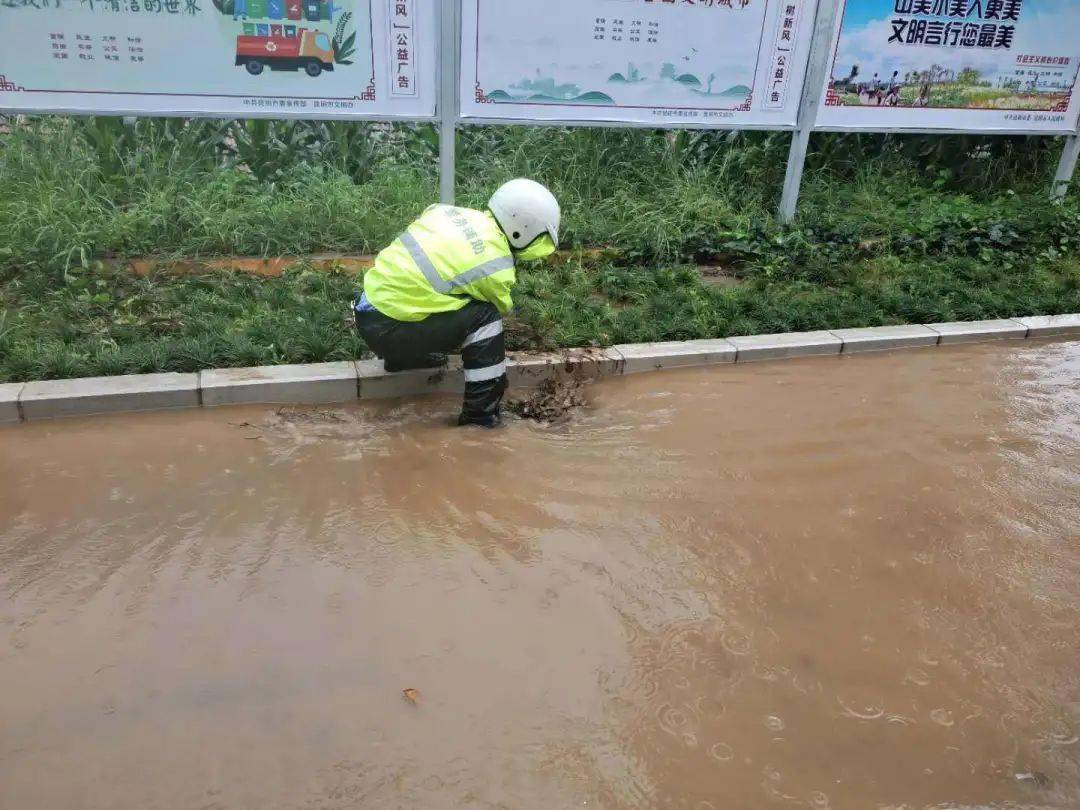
x=835 y=582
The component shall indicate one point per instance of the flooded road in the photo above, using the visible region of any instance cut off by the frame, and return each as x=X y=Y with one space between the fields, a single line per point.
x=829 y=583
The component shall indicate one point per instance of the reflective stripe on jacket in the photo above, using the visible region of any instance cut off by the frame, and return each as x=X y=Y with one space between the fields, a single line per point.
x=445 y=258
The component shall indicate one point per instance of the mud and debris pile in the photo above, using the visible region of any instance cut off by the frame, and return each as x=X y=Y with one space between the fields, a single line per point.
x=551 y=401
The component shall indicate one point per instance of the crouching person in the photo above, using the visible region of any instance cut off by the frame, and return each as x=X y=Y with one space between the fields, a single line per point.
x=445 y=283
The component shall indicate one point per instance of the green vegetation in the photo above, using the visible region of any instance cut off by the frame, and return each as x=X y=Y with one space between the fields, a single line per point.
x=892 y=230
x=956 y=94
x=344 y=42
x=947 y=88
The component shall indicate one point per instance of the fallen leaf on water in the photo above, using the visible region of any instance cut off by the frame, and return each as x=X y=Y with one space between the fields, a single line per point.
x=411 y=695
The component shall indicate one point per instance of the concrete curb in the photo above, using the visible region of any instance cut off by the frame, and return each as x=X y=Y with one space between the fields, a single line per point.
x=879 y=338
x=366 y=379
x=318 y=382
x=639 y=357
x=9 y=402
x=788 y=344
x=529 y=369
x=1051 y=325
x=978 y=331
x=89 y=395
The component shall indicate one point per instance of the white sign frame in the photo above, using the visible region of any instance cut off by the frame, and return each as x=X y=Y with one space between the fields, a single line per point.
x=373 y=99
x=476 y=107
x=934 y=120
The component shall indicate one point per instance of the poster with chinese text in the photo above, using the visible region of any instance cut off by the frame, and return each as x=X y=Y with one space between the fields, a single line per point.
x=718 y=63
x=279 y=58
x=954 y=64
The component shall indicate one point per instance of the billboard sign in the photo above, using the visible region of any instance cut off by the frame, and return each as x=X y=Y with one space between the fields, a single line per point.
x=715 y=63
x=280 y=58
x=967 y=65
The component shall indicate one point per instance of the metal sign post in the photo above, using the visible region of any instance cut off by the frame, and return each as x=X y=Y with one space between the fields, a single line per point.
x=1067 y=166
x=449 y=44
x=816 y=71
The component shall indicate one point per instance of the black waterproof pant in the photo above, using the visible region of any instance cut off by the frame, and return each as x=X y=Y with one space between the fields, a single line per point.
x=476 y=329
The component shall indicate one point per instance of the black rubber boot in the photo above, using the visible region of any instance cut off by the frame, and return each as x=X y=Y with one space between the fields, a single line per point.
x=491 y=420
x=483 y=401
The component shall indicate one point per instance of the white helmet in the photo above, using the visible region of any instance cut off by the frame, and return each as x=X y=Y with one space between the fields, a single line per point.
x=525 y=210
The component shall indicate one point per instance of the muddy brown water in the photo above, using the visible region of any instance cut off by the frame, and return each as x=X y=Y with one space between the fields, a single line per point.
x=837 y=582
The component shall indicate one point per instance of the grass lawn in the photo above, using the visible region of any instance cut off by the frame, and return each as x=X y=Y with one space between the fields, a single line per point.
x=892 y=230
x=956 y=94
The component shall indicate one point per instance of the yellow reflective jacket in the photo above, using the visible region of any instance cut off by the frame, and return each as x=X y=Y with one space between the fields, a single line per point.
x=443 y=260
